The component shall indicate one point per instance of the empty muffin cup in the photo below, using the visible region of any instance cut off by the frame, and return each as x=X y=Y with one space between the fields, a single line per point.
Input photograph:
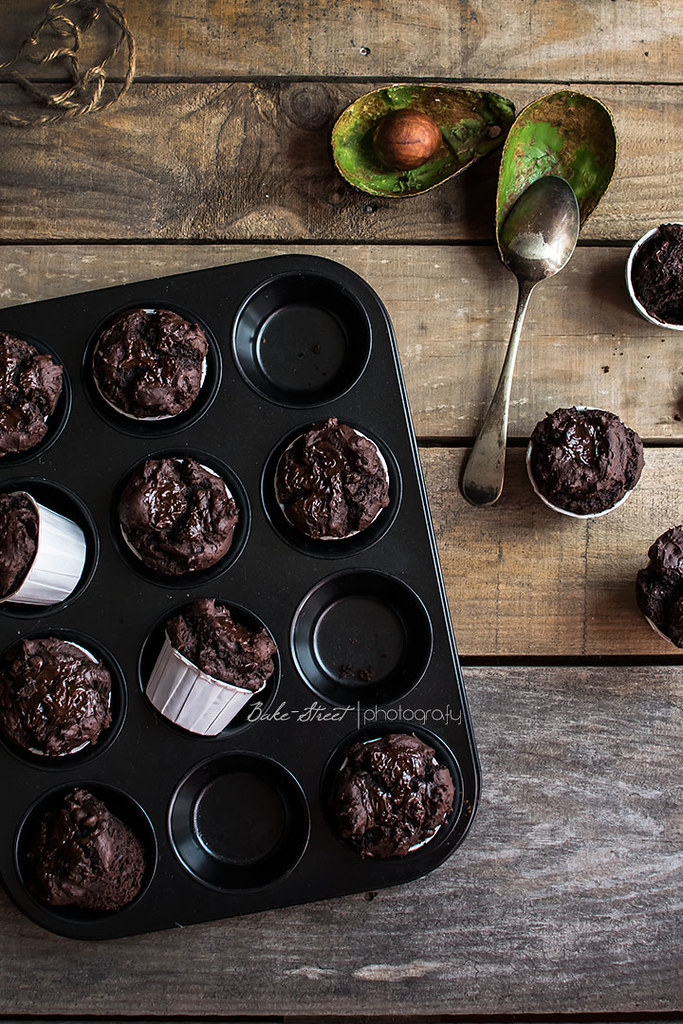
x=56 y=565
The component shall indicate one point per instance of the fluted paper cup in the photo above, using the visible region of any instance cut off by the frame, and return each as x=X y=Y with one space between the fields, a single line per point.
x=58 y=562
x=644 y=312
x=558 y=508
x=190 y=698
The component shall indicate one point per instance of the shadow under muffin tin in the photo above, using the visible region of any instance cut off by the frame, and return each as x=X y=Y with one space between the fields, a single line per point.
x=239 y=822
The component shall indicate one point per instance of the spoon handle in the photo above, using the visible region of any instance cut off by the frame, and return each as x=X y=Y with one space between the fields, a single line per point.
x=482 y=480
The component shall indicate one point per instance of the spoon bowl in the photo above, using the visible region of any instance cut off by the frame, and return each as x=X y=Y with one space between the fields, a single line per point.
x=536 y=241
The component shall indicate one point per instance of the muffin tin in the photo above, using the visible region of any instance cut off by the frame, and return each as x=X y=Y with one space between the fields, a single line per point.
x=239 y=822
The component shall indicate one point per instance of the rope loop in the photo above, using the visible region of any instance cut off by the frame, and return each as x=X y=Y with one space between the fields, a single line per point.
x=68 y=21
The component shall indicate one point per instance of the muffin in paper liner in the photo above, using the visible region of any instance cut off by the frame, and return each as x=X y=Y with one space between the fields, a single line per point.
x=558 y=508
x=133 y=416
x=633 y=256
x=566 y=511
x=58 y=563
x=190 y=698
x=328 y=537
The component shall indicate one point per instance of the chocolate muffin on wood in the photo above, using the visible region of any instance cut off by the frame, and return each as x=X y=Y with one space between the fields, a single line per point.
x=584 y=461
x=659 y=586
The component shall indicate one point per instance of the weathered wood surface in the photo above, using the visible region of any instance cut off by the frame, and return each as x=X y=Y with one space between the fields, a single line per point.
x=584 y=41
x=524 y=581
x=452 y=308
x=249 y=161
x=564 y=898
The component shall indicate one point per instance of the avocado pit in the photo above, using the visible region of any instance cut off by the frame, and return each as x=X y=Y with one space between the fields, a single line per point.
x=405 y=139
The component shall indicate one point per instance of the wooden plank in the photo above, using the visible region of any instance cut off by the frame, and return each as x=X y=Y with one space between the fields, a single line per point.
x=398 y=39
x=247 y=161
x=524 y=581
x=452 y=309
x=564 y=898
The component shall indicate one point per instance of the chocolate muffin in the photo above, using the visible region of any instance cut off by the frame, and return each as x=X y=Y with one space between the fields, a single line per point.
x=659 y=587
x=30 y=386
x=18 y=540
x=54 y=698
x=84 y=856
x=584 y=460
x=391 y=795
x=208 y=636
x=149 y=364
x=657 y=274
x=332 y=482
x=177 y=516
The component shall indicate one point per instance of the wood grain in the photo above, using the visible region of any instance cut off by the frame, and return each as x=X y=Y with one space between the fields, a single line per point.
x=524 y=581
x=576 y=40
x=452 y=309
x=250 y=161
x=563 y=898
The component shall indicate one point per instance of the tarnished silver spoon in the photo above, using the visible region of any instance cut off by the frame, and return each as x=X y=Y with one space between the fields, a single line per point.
x=537 y=239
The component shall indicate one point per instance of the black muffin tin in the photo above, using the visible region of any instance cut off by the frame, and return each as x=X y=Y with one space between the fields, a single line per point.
x=239 y=822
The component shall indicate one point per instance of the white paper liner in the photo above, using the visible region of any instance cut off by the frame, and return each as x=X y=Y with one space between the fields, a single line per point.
x=659 y=632
x=565 y=511
x=86 y=743
x=208 y=470
x=353 y=533
x=185 y=695
x=146 y=419
x=58 y=562
x=629 y=282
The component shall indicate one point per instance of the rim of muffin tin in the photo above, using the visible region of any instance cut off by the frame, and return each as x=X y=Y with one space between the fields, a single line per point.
x=118 y=802
x=198 y=577
x=219 y=869
x=302 y=290
x=118 y=704
x=65 y=502
x=433 y=850
x=57 y=420
x=152 y=644
x=153 y=427
x=335 y=547
x=405 y=622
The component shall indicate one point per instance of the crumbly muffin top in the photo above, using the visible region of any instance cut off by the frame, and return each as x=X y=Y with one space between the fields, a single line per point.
x=177 y=516
x=585 y=460
x=208 y=636
x=331 y=481
x=30 y=386
x=53 y=697
x=390 y=795
x=149 y=363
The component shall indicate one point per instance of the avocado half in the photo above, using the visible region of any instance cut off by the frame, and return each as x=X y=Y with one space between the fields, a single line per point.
x=564 y=133
x=472 y=123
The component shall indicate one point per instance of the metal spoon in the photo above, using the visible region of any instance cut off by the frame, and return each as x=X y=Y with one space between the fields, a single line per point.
x=537 y=239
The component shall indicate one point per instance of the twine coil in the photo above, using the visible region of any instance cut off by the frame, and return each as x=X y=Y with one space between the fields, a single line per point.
x=68 y=21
